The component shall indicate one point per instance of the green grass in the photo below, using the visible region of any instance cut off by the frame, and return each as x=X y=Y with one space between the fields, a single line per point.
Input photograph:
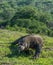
x=10 y=56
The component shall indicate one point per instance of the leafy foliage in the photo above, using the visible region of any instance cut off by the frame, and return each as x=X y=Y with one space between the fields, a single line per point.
x=33 y=20
x=28 y=15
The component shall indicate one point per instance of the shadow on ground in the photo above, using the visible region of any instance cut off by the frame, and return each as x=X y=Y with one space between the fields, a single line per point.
x=15 y=53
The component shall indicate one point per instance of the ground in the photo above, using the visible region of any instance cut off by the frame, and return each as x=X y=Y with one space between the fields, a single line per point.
x=10 y=56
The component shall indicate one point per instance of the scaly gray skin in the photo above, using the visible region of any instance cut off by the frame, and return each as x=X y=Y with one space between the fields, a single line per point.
x=30 y=41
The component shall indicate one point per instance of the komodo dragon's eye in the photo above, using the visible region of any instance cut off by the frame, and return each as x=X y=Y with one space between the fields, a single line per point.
x=21 y=44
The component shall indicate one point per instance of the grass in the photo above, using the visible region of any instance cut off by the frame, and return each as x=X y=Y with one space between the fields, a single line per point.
x=10 y=56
